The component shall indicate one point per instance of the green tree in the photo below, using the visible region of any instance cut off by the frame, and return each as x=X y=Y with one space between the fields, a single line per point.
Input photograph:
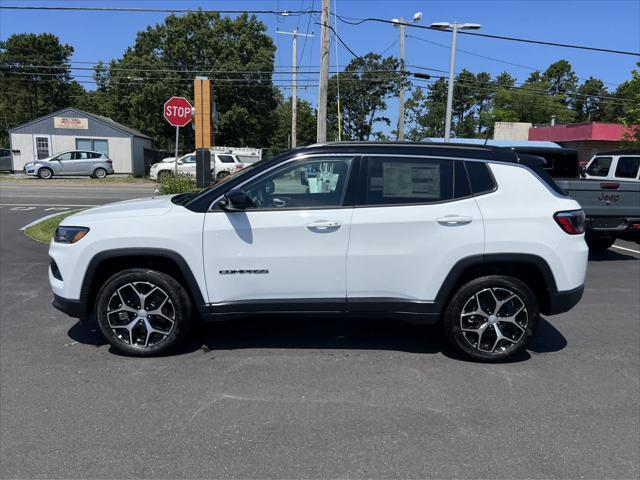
x=166 y=57
x=35 y=78
x=426 y=113
x=587 y=103
x=561 y=79
x=305 y=125
x=365 y=85
x=631 y=110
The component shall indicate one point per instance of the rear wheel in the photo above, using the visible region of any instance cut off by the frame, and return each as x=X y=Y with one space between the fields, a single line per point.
x=100 y=173
x=599 y=242
x=45 y=173
x=221 y=175
x=491 y=318
x=143 y=312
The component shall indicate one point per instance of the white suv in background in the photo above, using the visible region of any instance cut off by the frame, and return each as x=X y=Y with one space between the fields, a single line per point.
x=477 y=238
x=222 y=165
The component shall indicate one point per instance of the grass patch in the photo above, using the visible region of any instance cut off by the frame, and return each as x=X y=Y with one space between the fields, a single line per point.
x=111 y=180
x=43 y=232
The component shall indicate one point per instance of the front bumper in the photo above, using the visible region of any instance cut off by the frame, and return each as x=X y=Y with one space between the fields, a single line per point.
x=563 y=301
x=73 y=308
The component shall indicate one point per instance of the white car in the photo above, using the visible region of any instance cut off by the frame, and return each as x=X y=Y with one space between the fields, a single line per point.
x=616 y=165
x=474 y=237
x=221 y=166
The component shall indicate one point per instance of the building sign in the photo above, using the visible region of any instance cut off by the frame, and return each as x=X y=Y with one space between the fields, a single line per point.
x=71 y=122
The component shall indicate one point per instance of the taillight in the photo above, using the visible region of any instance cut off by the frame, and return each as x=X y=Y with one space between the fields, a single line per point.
x=109 y=161
x=571 y=221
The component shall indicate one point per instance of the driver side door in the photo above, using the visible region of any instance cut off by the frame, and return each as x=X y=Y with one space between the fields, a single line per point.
x=287 y=251
x=63 y=164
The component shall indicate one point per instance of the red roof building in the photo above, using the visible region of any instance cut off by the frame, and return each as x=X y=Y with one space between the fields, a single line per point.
x=586 y=138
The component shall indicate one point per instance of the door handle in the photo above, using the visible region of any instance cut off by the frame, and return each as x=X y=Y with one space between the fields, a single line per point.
x=453 y=220
x=324 y=225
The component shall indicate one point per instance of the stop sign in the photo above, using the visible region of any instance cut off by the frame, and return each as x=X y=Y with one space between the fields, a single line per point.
x=177 y=111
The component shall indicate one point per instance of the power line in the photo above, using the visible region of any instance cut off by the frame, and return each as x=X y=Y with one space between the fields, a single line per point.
x=492 y=58
x=348 y=20
x=360 y=21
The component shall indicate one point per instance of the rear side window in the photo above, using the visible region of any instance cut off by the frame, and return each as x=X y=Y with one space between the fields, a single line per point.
x=226 y=158
x=480 y=178
x=397 y=181
x=600 y=166
x=628 y=167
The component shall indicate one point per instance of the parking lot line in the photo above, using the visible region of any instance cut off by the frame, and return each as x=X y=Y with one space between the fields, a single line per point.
x=43 y=205
x=626 y=249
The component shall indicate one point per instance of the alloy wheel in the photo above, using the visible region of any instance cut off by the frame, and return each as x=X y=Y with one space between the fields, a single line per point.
x=494 y=320
x=141 y=314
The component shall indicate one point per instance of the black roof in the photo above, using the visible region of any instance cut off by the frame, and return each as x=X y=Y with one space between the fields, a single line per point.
x=485 y=152
x=627 y=151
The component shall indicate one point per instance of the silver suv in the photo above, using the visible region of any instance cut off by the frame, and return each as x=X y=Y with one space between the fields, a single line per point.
x=72 y=162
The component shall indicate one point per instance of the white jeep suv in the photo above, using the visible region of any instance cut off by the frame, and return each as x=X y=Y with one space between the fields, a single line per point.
x=222 y=165
x=477 y=238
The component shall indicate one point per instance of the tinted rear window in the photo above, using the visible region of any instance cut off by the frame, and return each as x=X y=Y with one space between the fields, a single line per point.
x=628 y=167
x=480 y=177
x=226 y=158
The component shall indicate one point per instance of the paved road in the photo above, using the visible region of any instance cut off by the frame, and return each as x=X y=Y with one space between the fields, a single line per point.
x=308 y=398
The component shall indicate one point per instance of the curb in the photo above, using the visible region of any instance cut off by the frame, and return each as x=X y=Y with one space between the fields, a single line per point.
x=47 y=217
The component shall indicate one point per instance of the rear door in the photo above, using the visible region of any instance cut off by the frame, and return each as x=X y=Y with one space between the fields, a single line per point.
x=414 y=220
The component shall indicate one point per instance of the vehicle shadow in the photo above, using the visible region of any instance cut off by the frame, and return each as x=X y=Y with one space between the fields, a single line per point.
x=332 y=333
x=609 y=255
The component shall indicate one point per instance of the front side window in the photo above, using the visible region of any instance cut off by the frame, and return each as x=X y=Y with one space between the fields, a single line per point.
x=308 y=184
x=64 y=156
x=189 y=159
x=628 y=167
x=394 y=181
x=600 y=166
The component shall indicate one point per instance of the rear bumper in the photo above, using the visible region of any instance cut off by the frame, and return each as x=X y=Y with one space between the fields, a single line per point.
x=613 y=225
x=561 y=302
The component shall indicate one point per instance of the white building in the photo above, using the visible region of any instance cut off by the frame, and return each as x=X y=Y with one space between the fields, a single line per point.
x=73 y=129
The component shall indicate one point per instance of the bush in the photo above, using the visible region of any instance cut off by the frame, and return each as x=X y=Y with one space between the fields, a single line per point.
x=180 y=183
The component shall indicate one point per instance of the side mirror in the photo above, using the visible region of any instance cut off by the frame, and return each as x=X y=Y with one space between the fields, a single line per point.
x=180 y=162
x=235 y=200
x=583 y=171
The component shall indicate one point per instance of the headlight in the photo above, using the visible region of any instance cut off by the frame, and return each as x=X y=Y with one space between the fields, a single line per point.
x=69 y=234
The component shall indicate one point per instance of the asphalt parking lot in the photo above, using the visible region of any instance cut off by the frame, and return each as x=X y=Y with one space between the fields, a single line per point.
x=310 y=398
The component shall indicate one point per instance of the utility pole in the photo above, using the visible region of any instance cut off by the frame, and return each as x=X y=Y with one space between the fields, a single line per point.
x=399 y=22
x=401 y=90
x=321 y=135
x=294 y=77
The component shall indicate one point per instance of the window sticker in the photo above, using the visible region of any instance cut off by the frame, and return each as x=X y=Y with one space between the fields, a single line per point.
x=411 y=180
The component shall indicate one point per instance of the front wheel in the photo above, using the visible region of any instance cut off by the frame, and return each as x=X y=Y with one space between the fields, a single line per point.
x=491 y=318
x=45 y=173
x=143 y=312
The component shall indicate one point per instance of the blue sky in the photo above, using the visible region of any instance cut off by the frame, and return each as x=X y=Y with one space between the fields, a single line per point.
x=603 y=23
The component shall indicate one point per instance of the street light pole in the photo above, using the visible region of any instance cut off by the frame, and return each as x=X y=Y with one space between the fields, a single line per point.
x=452 y=63
x=401 y=89
x=454 y=27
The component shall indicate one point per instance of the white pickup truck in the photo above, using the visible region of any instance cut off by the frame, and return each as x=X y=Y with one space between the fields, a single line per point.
x=221 y=166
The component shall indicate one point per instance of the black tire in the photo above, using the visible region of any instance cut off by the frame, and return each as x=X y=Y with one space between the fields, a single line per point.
x=45 y=173
x=221 y=175
x=599 y=243
x=162 y=174
x=100 y=173
x=126 y=286
x=517 y=330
